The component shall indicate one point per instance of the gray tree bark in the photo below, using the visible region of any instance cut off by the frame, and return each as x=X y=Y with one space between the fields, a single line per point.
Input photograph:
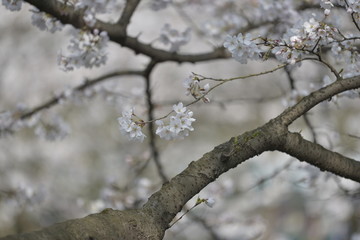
x=151 y=221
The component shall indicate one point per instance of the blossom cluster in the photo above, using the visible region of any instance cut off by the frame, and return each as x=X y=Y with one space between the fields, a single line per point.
x=12 y=5
x=347 y=52
x=192 y=85
x=179 y=125
x=304 y=38
x=326 y=5
x=177 y=128
x=93 y=7
x=242 y=47
x=131 y=126
x=53 y=130
x=157 y=5
x=315 y=30
x=173 y=37
x=352 y=6
x=86 y=49
x=45 y=22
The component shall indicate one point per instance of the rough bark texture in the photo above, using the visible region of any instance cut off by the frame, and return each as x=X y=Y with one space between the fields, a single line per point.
x=320 y=157
x=151 y=221
x=167 y=202
x=109 y=224
x=117 y=32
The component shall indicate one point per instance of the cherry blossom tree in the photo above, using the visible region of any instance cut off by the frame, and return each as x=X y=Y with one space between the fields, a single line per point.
x=312 y=44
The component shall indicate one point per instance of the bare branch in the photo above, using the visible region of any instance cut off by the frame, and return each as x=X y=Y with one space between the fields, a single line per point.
x=310 y=126
x=205 y=170
x=308 y=102
x=152 y=136
x=128 y=11
x=55 y=100
x=320 y=157
x=151 y=221
x=162 y=206
x=68 y=15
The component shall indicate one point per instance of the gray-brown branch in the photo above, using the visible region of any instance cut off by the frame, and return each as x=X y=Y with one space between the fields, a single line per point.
x=151 y=221
x=117 y=32
x=88 y=83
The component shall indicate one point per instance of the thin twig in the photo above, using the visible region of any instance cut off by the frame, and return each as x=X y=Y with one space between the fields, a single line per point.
x=222 y=81
x=270 y=177
x=152 y=137
x=186 y=212
x=88 y=83
x=305 y=116
x=354 y=21
x=243 y=77
x=332 y=69
x=310 y=126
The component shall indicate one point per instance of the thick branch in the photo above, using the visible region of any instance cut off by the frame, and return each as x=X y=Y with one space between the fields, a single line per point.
x=128 y=11
x=109 y=224
x=67 y=15
x=167 y=202
x=320 y=157
x=152 y=220
x=308 y=102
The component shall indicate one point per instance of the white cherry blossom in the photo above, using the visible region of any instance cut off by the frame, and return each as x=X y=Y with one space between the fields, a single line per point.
x=130 y=126
x=242 y=48
x=179 y=125
x=174 y=38
x=193 y=87
x=157 y=5
x=45 y=22
x=93 y=7
x=86 y=49
x=210 y=202
x=12 y=5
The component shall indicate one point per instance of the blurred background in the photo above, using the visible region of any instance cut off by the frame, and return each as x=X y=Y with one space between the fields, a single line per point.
x=78 y=163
